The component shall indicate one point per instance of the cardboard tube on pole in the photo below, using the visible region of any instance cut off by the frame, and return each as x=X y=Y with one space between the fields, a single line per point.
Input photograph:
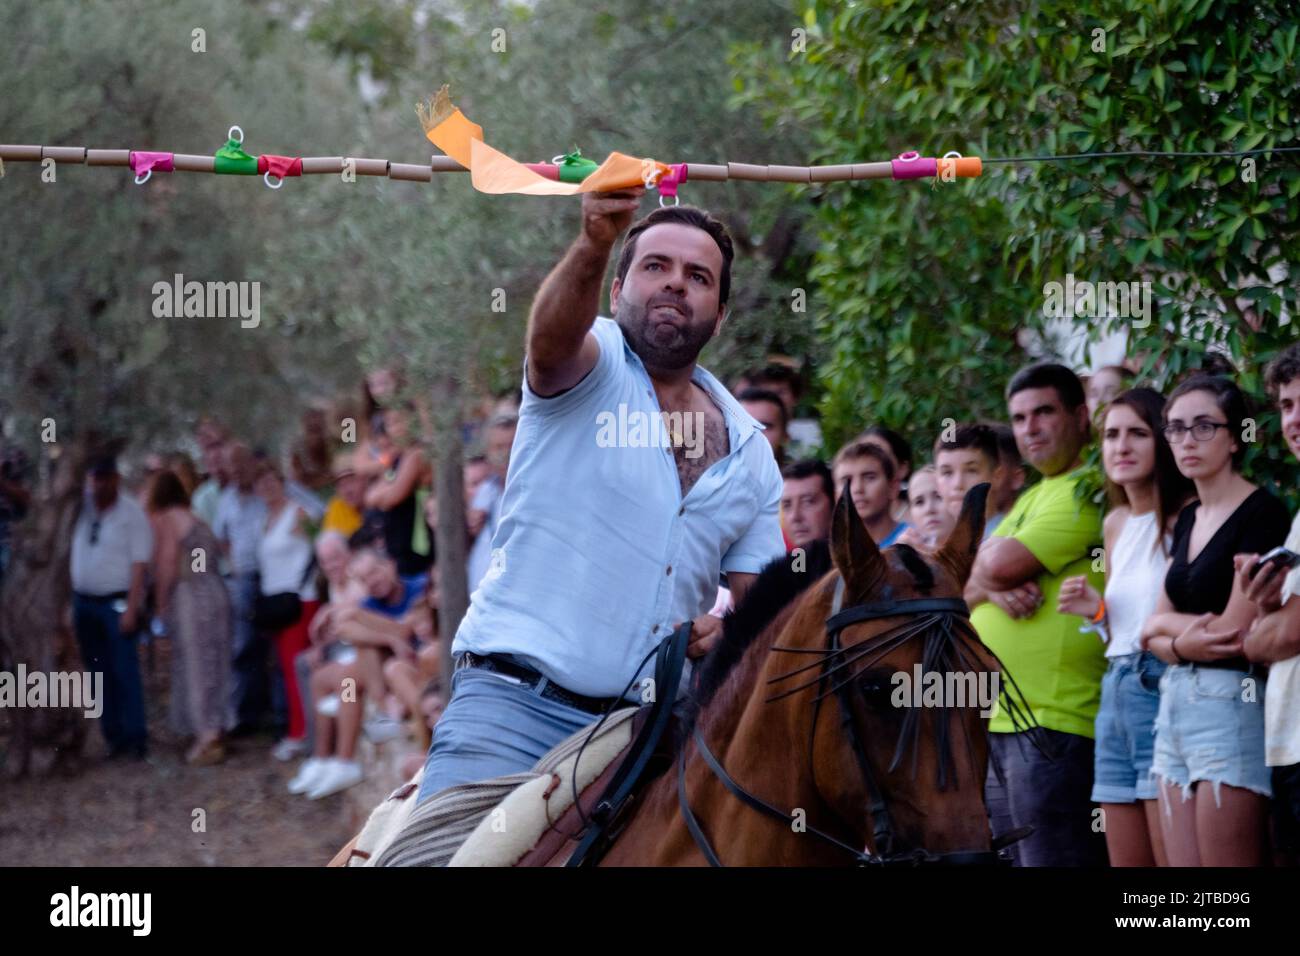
x=321 y=164
x=108 y=157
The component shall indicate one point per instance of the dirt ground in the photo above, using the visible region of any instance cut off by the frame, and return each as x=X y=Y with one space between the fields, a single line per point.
x=142 y=813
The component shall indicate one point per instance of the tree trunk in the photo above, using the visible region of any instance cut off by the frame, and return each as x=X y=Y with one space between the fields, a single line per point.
x=35 y=621
x=453 y=581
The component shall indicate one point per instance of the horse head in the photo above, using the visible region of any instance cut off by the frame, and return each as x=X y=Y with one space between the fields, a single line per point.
x=899 y=740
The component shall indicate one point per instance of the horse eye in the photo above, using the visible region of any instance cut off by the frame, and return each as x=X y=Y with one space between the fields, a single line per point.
x=873 y=688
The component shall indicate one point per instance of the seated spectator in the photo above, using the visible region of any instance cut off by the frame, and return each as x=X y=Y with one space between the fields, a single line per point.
x=1103 y=385
x=873 y=486
x=807 y=500
x=405 y=678
x=341 y=688
x=929 y=519
x=768 y=411
x=433 y=701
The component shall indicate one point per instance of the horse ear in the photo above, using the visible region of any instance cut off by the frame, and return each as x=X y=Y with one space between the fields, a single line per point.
x=958 y=552
x=855 y=554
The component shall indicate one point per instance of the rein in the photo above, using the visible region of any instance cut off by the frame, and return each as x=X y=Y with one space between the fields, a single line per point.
x=939 y=617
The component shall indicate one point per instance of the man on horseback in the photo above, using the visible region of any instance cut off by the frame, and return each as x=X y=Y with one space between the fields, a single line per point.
x=635 y=478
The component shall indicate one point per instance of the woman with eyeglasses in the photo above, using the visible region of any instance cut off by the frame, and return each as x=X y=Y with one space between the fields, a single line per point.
x=1214 y=786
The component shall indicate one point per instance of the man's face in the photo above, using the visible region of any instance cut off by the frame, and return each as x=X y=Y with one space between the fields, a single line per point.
x=769 y=416
x=332 y=556
x=667 y=304
x=805 y=510
x=500 y=438
x=239 y=465
x=957 y=470
x=873 y=493
x=1288 y=405
x=214 y=462
x=377 y=575
x=475 y=474
x=103 y=488
x=351 y=488
x=1049 y=435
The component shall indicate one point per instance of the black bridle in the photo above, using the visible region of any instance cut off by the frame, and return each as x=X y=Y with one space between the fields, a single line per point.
x=936 y=619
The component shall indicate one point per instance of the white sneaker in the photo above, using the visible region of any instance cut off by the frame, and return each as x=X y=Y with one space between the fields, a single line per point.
x=289 y=748
x=309 y=774
x=337 y=776
x=381 y=728
x=329 y=706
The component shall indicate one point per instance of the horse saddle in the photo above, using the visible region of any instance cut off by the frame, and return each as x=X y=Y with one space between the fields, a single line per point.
x=609 y=771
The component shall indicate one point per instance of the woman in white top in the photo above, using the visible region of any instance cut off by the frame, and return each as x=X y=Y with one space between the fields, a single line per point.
x=284 y=559
x=1146 y=492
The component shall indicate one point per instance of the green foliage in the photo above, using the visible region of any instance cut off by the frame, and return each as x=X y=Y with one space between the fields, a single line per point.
x=931 y=296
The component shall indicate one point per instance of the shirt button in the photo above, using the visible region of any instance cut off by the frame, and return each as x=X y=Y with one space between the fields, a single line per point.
x=655 y=629
x=681 y=511
x=670 y=569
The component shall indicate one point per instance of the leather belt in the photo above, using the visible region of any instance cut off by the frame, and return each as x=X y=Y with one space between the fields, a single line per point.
x=500 y=664
x=101 y=598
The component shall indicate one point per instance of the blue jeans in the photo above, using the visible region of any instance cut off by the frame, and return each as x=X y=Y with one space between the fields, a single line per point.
x=104 y=648
x=494 y=726
x=250 y=691
x=1126 y=729
x=1049 y=793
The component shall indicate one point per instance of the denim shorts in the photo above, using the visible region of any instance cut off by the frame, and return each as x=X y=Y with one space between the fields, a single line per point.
x=1126 y=721
x=1211 y=727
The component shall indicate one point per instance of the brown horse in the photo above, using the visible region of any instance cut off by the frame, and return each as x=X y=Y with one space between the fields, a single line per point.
x=796 y=755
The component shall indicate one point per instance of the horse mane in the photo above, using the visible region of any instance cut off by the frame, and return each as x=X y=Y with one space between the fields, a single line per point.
x=775 y=589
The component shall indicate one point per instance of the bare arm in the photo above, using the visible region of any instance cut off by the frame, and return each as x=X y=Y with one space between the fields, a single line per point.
x=164 y=561
x=387 y=495
x=561 y=350
x=134 y=599
x=1276 y=636
x=1003 y=564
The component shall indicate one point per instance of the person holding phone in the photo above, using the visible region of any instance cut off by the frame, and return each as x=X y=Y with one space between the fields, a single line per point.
x=1274 y=640
x=1209 y=750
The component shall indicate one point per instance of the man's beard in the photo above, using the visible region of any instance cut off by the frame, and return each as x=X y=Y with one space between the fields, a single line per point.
x=657 y=346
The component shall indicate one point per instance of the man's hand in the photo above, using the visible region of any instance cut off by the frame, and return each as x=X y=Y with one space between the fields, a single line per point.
x=1019 y=602
x=1265 y=589
x=606 y=215
x=1199 y=643
x=127 y=623
x=706 y=631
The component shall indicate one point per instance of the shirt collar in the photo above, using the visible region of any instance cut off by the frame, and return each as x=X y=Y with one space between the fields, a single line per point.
x=741 y=425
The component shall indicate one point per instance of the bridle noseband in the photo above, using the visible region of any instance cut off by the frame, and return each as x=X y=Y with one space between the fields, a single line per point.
x=939 y=613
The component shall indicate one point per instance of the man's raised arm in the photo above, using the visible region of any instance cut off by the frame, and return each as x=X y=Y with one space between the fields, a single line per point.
x=560 y=349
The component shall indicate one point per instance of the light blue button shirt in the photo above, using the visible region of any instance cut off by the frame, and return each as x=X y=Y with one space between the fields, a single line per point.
x=597 y=554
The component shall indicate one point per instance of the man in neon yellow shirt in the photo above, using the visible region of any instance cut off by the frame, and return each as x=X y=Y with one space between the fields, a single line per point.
x=1047 y=536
